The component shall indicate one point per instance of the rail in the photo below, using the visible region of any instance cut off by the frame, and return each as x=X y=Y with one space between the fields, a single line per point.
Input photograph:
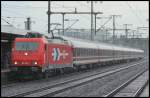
x=60 y=87
x=115 y=91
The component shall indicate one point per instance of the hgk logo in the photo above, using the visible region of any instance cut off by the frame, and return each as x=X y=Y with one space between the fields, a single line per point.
x=57 y=54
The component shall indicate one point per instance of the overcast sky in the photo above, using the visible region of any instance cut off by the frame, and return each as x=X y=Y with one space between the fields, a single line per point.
x=132 y=12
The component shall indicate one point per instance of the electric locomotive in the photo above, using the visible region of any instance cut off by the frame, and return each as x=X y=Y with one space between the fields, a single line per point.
x=36 y=54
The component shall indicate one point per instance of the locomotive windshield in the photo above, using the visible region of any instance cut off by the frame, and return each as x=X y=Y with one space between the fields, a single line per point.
x=26 y=46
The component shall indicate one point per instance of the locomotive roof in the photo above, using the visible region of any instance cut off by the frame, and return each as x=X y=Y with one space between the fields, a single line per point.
x=80 y=43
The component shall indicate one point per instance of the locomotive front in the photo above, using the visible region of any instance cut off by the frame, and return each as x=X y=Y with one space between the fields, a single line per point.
x=27 y=55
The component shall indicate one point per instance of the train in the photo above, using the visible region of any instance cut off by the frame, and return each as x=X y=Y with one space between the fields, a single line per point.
x=40 y=55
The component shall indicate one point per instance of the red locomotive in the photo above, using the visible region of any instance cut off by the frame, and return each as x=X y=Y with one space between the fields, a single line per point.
x=40 y=55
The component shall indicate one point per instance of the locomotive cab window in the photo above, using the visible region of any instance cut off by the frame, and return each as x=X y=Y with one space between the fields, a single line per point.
x=26 y=46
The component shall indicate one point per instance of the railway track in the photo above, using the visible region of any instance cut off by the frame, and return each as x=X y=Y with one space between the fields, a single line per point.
x=63 y=86
x=121 y=91
x=10 y=84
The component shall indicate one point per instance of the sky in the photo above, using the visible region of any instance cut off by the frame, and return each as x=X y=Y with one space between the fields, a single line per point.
x=132 y=12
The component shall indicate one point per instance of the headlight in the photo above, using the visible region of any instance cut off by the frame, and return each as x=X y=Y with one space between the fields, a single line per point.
x=15 y=62
x=26 y=53
x=35 y=63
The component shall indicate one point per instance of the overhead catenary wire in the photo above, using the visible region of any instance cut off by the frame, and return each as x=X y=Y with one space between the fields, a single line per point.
x=6 y=21
x=15 y=12
x=104 y=24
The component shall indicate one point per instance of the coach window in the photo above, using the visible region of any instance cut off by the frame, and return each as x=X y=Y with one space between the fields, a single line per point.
x=88 y=52
x=91 y=52
x=85 y=52
x=108 y=53
x=96 y=52
x=103 y=52
x=116 y=53
x=77 y=51
x=81 y=51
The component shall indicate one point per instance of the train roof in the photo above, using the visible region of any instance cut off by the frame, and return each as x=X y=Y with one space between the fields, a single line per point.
x=80 y=43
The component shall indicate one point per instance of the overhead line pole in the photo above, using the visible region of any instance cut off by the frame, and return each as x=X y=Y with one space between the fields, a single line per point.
x=114 y=16
x=49 y=13
x=91 y=20
x=95 y=22
x=63 y=22
x=126 y=30
x=48 y=16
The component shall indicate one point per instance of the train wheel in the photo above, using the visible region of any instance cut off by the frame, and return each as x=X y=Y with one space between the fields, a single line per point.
x=78 y=68
x=39 y=76
x=61 y=70
x=45 y=75
x=75 y=68
x=88 y=66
